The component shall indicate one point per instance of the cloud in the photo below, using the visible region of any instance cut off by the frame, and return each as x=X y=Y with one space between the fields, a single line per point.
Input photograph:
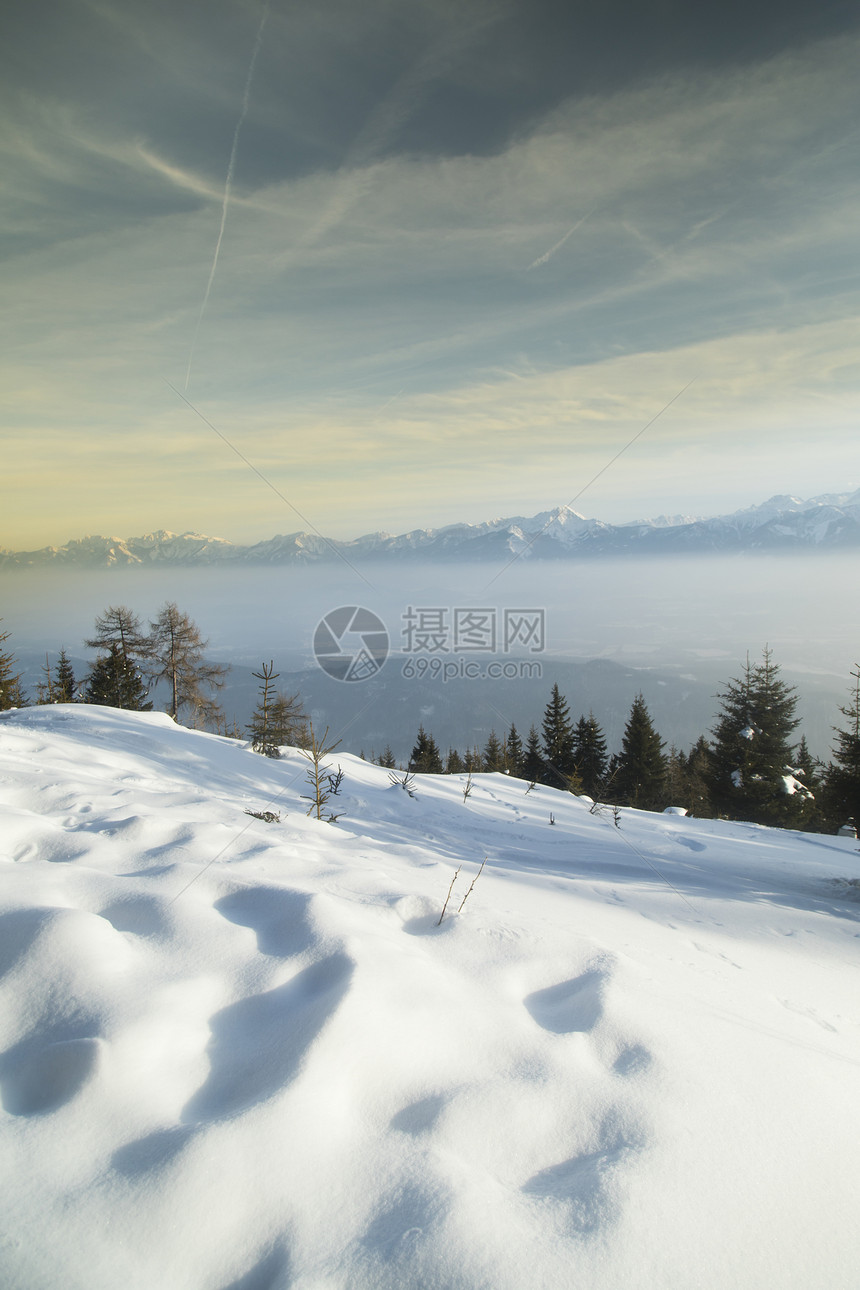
x=402 y=346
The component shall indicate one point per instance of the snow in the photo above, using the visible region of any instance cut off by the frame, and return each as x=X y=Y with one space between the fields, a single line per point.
x=245 y=1054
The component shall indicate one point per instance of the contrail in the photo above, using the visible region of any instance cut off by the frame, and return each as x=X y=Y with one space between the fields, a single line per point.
x=228 y=183
x=547 y=255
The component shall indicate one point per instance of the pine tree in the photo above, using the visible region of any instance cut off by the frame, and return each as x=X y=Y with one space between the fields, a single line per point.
x=177 y=652
x=454 y=763
x=425 y=758
x=473 y=761
x=752 y=758
x=843 y=777
x=641 y=774
x=115 y=682
x=514 y=752
x=559 y=763
x=533 y=767
x=387 y=758
x=494 y=754
x=11 y=694
x=589 y=754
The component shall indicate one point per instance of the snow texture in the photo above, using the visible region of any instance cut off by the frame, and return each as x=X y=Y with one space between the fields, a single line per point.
x=239 y=1054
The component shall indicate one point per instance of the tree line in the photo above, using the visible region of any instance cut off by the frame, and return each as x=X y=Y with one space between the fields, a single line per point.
x=749 y=767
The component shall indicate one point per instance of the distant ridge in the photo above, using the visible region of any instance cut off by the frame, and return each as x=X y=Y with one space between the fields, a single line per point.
x=831 y=521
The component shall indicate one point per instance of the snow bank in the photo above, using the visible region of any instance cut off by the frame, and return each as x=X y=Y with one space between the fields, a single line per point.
x=245 y=1054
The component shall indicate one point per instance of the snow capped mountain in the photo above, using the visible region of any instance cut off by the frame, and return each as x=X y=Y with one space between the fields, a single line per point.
x=780 y=524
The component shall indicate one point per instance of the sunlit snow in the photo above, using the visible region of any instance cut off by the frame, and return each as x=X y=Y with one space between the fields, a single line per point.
x=238 y=1053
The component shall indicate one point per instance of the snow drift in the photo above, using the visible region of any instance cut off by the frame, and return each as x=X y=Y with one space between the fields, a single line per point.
x=245 y=1054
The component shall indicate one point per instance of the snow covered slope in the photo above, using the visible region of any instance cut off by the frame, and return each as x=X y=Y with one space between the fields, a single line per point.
x=244 y=1054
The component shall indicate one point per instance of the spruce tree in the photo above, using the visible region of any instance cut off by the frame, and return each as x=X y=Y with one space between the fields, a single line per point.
x=473 y=761
x=11 y=694
x=494 y=754
x=589 y=754
x=454 y=763
x=278 y=718
x=425 y=758
x=751 y=764
x=559 y=763
x=514 y=752
x=697 y=766
x=533 y=766
x=115 y=682
x=641 y=774
x=843 y=777
x=64 y=680
x=387 y=758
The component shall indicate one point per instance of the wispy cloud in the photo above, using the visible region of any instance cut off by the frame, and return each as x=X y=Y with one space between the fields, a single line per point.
x=547 y=255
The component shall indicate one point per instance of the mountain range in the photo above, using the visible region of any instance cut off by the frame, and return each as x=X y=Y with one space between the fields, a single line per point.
x=782 y=524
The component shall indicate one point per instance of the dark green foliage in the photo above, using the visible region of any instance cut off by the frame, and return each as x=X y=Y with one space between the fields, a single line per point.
x=589 y=753
x=640 y=778
x=387 y=758
x=514 y=752
x=115 y=682
x=454 y=763
x=533 y=767
x=752 y=750
x=843 y=777
x=65 y=685
x=59 y=684
x=425 y=758
x=494 y=754
x=697 y=772
x=473 y=761
x=559 y=762
x=11 y=694
x=278 y=718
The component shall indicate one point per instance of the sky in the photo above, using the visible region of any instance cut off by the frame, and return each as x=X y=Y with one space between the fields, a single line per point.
x=284 y=266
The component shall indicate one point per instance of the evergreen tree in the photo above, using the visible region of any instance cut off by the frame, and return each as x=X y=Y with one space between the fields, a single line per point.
x=514 y=752
x=278 y=718
x=11 y=694
x=752 y=760
x=676 y=777
x=559 y=763
x=533 y=767
x=115 y=682
x=454 y=763
x=177 y=652
x=589 y=754
x=698 y=774
x=64 y=680
x=387 y=758
x=59 y=685
x=473 y=761
x=641 y=775
x=843 y=777
x=425 y=758
x=494 y=754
